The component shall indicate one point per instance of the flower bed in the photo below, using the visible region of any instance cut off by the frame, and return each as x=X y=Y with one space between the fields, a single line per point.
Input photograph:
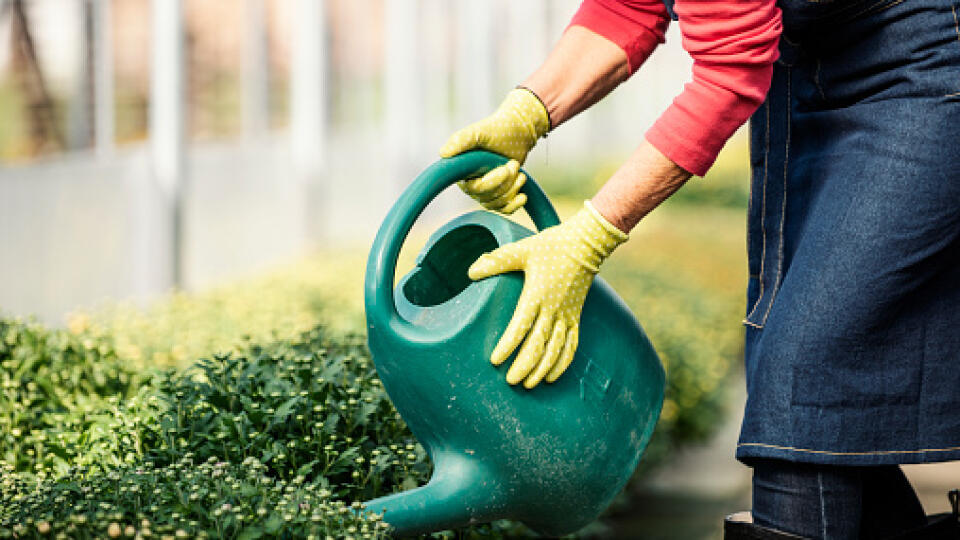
x=283 y=439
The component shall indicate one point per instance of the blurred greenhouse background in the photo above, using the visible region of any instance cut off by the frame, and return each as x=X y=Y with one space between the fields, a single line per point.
x=183 y=178
x=174 y=143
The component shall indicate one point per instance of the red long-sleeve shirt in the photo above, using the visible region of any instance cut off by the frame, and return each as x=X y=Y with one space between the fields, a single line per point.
x=733 y=44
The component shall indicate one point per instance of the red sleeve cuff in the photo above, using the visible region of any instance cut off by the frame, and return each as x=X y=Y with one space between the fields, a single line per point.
x=693 y=130
x=734 y=44
x=636 y=26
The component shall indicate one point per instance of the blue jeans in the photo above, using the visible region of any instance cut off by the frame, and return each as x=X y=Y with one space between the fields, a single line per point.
x=832 y=502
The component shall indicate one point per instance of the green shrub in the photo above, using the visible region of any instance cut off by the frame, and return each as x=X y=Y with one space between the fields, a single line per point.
x=185 y=499
x=180 y=327
x=279 y=440
x=55 y=391
x=310 y=407
x=308 y=415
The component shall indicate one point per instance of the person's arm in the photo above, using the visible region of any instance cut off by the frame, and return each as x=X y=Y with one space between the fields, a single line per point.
x=605 y=43
x=733 y=44
x=581 y=69
x=644 y=181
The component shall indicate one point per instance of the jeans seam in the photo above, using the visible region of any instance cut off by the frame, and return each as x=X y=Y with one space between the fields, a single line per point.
x=875 y=8
x=783 y=206
x=816 y=81
x=878 y=8
x=789 y=41
x=846 y=17
x=917 y=422
x=956 y=28
x=835 y=453
x=763 y=210
x=750 y=239
x=823 y=506
x=956 y=24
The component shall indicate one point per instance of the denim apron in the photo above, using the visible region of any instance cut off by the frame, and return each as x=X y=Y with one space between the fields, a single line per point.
x=852 y=347
x=853 y=304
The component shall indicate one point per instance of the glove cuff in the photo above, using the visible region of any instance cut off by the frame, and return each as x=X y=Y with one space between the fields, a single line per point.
x=525 y=105
x=597 y=234
x=610 y=228
x=546 y=112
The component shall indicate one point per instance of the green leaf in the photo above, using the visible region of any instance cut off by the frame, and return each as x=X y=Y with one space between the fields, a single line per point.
x=273 y=524
x=284 y=410
x=307 y=468
x=330 y=424
x=250 y=533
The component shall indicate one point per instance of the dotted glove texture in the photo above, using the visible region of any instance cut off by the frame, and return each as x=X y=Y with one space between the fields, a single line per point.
x=511 y=131
x=558 y=265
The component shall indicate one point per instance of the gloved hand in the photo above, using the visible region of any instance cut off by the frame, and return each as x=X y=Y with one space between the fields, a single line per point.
x=511 y=131
x=558 y=265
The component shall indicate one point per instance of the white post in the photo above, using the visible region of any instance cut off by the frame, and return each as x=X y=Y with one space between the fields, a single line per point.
x=255 y=63
x=103 y=126
x=308 y=113
x=167 y=119
x=401 y=82
x=307 y=89
x=437 y=60
x=475 y=50
x=527 y=37
x=78 y=116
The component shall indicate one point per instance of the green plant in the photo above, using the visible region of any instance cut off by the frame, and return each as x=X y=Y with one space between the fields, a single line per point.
x=55 y=391
x=282 y=439
x=180 y=327
x=184 y=499
x=310 y=407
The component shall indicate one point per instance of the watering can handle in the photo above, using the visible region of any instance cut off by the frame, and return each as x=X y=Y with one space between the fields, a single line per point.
x=382 y=264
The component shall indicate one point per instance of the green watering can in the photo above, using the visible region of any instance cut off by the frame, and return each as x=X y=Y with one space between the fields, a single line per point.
x=552 y=457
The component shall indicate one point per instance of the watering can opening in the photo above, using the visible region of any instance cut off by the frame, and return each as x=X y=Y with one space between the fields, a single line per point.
x=441 y=273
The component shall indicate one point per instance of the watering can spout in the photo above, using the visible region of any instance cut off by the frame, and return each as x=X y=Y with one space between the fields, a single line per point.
x=456 y=496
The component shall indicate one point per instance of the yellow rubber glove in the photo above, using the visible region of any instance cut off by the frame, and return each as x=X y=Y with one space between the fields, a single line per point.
x=558 y=265
x=511 y=131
